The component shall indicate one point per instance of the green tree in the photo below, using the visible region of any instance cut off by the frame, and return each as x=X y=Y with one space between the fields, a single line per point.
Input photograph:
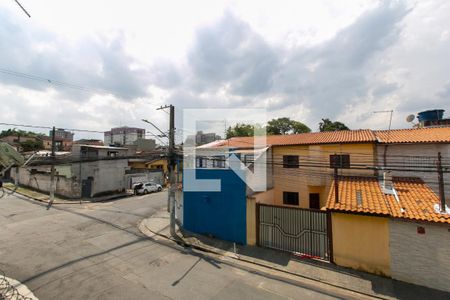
x=286 y=126
x=328 y=125
x=31 y=145
x=240 y=129
x=16 y=132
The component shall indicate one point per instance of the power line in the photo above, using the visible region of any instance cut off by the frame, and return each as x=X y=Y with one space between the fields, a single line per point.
x=23 y=8
x=59 y=83
x=49 y=127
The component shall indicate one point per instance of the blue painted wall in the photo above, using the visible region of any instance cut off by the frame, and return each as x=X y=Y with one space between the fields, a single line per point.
x=221 y=214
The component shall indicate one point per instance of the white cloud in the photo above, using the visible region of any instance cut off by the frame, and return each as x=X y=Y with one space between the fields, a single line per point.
x=304 y=60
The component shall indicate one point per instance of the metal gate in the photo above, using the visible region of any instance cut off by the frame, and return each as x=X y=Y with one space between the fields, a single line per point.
x=299 y=230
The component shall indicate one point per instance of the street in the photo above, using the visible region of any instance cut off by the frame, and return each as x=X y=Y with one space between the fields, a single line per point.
x=95 y=251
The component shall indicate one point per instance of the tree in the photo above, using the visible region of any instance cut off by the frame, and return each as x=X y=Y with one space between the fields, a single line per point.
x=31 y=145
x=327 y=125
x=16 y=132
x=240 y=129
x=286 y=126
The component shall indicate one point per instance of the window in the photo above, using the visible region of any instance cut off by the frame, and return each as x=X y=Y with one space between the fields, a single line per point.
x=112 y=153
x=249 y=159
x=219 y=161
x=340 y=161
x=290 y=161
x=290 y=198
x=201 y=162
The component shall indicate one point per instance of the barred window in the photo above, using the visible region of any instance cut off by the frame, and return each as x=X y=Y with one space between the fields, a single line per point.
x=290 y=161
x=290 y=198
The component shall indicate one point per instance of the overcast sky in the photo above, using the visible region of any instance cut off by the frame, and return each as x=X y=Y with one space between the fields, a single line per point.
x=305 y=60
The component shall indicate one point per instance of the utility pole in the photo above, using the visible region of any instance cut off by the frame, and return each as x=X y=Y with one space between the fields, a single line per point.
x=52 y=171
x=171 y=165
x=334 y=165
x=336 y=185
x=441 y=182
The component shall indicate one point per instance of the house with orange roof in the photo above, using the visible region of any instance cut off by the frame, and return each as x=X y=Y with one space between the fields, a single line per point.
x=394 y=227
x=300 y=163
x=378 y=223
x=414 y=152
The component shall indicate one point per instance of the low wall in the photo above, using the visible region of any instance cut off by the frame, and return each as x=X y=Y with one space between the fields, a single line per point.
x=40 y=181
x=156 y=177
x=361 y=242
x=422 y=259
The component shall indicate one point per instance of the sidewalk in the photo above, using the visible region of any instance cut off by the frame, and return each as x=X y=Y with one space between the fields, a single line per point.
x=41 y=197
x=157 y=226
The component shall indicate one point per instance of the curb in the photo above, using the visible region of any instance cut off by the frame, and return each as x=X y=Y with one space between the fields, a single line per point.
x=183 y=242
x=42 y=200
x=67 y=202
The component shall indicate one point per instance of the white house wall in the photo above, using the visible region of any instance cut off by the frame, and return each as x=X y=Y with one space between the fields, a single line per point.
x=109 y=175
x=64 y=186
x=422 y=259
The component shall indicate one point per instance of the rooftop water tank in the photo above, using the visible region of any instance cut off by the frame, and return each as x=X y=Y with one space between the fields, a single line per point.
x=431 y=115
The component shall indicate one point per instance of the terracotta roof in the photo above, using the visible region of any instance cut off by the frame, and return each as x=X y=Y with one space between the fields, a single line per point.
x=416 y=200
x=329 y=137
x=414 y=135
x=372 y=200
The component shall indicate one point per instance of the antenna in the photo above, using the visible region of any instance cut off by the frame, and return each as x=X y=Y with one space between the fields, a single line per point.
x=410 y=118
x=390 y=120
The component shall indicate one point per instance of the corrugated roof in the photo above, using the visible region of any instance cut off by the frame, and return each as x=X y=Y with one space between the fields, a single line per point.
x=414 y=135
x=416 y=200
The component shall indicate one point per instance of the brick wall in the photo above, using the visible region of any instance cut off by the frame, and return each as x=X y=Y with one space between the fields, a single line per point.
x=422 y=259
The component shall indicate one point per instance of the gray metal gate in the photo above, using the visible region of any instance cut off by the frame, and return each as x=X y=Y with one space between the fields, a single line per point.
x=304 y=231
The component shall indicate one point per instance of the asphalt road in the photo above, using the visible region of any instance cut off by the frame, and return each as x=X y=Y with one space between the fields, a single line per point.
x=95 y=251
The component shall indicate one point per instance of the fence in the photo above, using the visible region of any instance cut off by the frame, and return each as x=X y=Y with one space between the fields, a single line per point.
x=298 y=230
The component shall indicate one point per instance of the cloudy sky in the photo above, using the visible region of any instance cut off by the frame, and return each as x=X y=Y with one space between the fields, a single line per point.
x=306 y=60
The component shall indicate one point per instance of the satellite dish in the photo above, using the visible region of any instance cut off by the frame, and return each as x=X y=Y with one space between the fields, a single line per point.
x=410 y=118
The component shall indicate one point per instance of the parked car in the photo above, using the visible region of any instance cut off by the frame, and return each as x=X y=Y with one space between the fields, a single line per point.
x=146 y=187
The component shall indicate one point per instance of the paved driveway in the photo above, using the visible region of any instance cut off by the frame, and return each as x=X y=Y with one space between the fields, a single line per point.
x=95 y=251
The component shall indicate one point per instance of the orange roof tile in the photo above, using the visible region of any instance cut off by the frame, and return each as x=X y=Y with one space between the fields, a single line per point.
x=414 y=135
x=416 y=200
x=329 y=137
x=372 y=199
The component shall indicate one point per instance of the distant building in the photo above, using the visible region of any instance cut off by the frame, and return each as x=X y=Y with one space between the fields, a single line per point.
x=61 y=144
x=62 y=134
x=16 y=140
x=122 y=136
x=201 y=138
x=88 y=171
x=91 y=142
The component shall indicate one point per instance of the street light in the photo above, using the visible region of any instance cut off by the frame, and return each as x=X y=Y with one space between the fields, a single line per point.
x=157 y=136
x=163 y=134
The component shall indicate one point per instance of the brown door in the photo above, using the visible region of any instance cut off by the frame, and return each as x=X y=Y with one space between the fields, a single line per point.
x=314 y=200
